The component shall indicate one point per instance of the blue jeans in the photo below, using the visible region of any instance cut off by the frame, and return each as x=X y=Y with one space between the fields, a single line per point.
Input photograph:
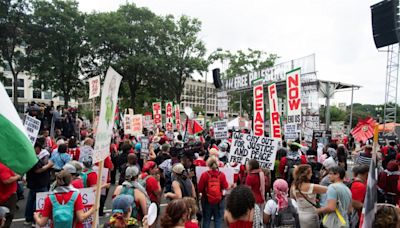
x=216 y=211
x=31 y=203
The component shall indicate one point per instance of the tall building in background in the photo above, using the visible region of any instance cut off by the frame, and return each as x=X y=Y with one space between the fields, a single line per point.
x=193 y=96
x=27 y=92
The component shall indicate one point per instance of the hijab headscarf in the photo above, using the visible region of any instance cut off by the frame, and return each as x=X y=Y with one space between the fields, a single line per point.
x=281 y=193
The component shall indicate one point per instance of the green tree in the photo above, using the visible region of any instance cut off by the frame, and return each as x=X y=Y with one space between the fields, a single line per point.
x=56 y=45
x=14 y=21
x=242 y=62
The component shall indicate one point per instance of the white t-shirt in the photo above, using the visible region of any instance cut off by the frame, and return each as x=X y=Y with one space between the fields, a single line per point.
x=271 y=206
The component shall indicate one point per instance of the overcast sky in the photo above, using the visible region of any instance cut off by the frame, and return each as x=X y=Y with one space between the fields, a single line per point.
x=338 y=32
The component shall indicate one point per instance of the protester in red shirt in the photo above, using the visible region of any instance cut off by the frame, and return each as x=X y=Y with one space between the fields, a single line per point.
x=73 y=149
x=8 y=191
x=200 y=160
x=152 y=185
x=63 y=194
x=359 y=187
x=74 y=168
x=387 y=184
x=256 y=181
x=212 y=210
x=89 y=176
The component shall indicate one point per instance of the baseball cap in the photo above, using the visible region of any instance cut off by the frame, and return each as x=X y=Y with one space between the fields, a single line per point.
x=70 y=168
x=122 y=203
x=3 y=212
x=149 y=165
x=131 y=171
x=178 y=168
x=87 y=161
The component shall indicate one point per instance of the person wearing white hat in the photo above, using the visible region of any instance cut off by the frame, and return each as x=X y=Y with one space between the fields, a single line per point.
x=182 y=186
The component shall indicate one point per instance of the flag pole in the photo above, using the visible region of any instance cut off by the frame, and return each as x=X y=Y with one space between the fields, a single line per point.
x=98 y=194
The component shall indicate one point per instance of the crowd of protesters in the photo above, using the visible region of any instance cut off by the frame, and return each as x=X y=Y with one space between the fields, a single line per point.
x=309 y=187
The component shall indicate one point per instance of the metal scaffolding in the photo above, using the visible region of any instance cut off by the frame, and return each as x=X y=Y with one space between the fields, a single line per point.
x=392 y=72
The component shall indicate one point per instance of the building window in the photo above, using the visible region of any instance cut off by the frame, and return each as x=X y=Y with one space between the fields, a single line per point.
x=9 y=92
x=47 y=95
x=21 y=82
x=21 y=108
x=8 y=82
x=37 y=94
x=21 y=93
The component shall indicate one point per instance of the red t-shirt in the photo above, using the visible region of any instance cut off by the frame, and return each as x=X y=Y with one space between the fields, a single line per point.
x=77 y=183
x=63 y=197
x=91 y=179
x=74 y=153
x=152 y=185
x=109 y=165
x=6 y=190
x=204 y=179
x=253 y=181
x=358 y=190
x=199 y=162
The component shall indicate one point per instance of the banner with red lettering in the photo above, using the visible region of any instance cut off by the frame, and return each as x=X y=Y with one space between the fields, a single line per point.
x=157 y=113
x=274 y=112
x=177 y=111
x=258 y=109
x=168 y=116
x=293 y=91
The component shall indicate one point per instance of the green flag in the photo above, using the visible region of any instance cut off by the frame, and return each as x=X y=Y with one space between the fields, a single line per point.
x=16 y=150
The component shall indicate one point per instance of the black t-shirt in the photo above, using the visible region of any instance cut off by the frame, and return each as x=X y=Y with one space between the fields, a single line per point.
x=161 y=158
x=38 y=180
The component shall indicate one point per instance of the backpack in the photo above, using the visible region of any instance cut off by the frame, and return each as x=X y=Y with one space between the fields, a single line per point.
x=63 y=214
x=185 y=192
x=316 y=175
x=290 y=163
x=287 y=217
x=143 y=181
x=84 y=176
x=214 y=193
x=130 y=191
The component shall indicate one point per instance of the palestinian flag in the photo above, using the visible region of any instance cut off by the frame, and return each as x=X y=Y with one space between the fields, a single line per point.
x=16 y=150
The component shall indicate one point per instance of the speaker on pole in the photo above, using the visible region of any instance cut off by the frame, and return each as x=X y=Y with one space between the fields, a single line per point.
x=217 y=78
x=385 y=22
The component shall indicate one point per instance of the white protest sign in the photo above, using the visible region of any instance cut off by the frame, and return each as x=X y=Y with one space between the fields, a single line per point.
x=147 y=122
x=274 y=113
x=144 y=151
x=220 y=129
x=104 y=177
x=109 y=95
x=258 y=109
x=94 y=87
x=137 y=124
x=291 y=132
x=128 y=124
x=32 y=126
x=88 y=198
x=293 y=87
x=245 y=147
x=229 y=172
x=169 y=116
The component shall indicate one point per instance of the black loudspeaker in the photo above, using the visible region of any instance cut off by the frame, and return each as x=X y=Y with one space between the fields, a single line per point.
x=385 y=23
x=217 y=78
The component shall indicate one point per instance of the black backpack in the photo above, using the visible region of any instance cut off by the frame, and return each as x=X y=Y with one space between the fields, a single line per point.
x=290 y=163
x=316 y=175
x=287 y=217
